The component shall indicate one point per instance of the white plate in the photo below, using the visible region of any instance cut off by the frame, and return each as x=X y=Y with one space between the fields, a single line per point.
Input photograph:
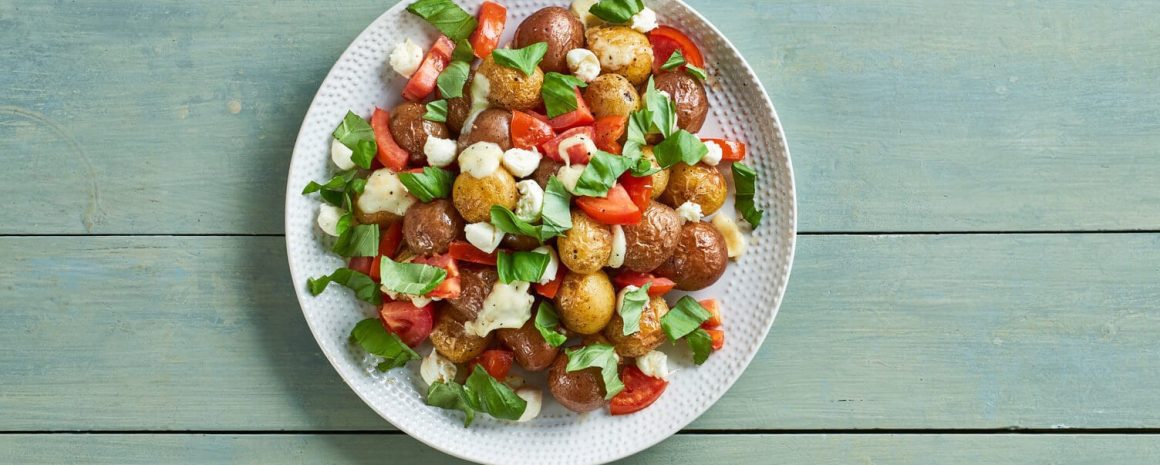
x=750 y=291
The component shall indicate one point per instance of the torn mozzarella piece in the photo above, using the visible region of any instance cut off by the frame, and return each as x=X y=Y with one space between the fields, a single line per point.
x=655 y=364
x=569 y=175
x=531 y=201
x=689 y=211
x=507 y=306
x=328 y=216
x=553 y=263
x=521 y=163
x=583 y=64
x=644 y=21
x=484 y=236
x=437 y=369
x=480 y=90
x=715 y=153
x=440 y=152
x=535 y=399
x=406 y=58
x=619 y=247
x=480 y=159
x=340 y=155
x=734 y=240
x=385 y=193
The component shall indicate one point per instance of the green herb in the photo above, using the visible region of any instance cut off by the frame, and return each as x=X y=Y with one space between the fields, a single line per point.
x=521 y=266
x=356 y=134
x=451 y=396
x=463 y=52
x=452 y=79
x=436 y=111
x=365 y=288
x=683 y=318
x=547 y=323
x=559 y=92
x=556 y=214
x=598 y=355
x=433 y=183
x=524 y=59
x=696 y=72
x=662 y=110
x=446 y=16
x=638 y=126
x=701 y=344
x=410 y=278
x=337 y=189
x=682 y=146
x=375 y=339
x=745 y=180
x=494 y=397
x=601 y=173
x=616 y=11
x=675 y=60
x=631 y=307
x=358 y=241
x=506 y=221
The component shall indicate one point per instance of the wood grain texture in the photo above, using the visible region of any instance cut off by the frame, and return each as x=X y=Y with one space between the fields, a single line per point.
x=977 y=331
x=902 y=115
x=177 y=449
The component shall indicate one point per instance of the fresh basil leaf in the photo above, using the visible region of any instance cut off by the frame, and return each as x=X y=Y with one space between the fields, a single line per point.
x=357 y=185
x=745 y=181
x=433 y=183
x=452 y=396
x=356 y=134
x=363 y=286
x=701 y=343
x=524 y=59
x=559 y=93
x=436 y=111
x=602 y=356
x=337 y=183
x=344 y=223
x=506 y=221
x=685 y=317
x=601 y=173
x=675 y=60
x=337 y=188
x=547 y=323
x=521 y=266
x=616 y=11
x=696 y=72
x=463 y=52
x=639 y=123
x=446 y=16
x=682 y=146
x=631 y=307
x=410 y=278
x=557 y=211
x=661 y=109
x=375 y=339
x=452 y=79
x=359 y=241
x=494 y=397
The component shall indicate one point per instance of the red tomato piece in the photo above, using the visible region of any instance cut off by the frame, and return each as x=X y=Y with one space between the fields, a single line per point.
x=665 y=40
x=609 y=130
x=449 y=288
x=466 y=252
x=528 y=131
x=718 y=338
x=731 y=150
x=422 y=83
x=492 y=18
x=714 y=309
x=390 y=154
x=497 y=362
x=576 y=153
x=616 y=208
x=538 y=115
x=361 y=265
x=549 y=290
x=640 y=391
x=412 y=324
x=660 y=286
x=578 y=117
x=391 y=239
x=639 y=189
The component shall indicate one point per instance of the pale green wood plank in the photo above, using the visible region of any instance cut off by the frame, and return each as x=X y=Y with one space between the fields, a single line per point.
x=977 y=331
x=813 y=449
x=902 y=114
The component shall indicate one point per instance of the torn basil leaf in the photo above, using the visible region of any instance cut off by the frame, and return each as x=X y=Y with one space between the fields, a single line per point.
x=601 y=173
x=410 y=278
x=701 y=344
x=358 y=241
x=452 y=79
x=373 y=338
x=547 y=323
x=524 y=59
x=602 y=356
x=631 y=307
x=745 y=181
x=365 y=288
x=559 y=93
x=616 y=11
x=446 y=16
x=685 y=317
x=682 y=146
x=356 y=134
x=521 y=266
x=433 y=183
x=675 y=60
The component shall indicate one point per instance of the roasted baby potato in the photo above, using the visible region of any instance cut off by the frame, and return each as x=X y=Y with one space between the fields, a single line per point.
x=660 y=179
x=688 y=94
x=611 y=94
x=652 y=241
x=557 y=27
x=453 y=342
x=458 y=108
x=380 y=218
x=490 y=125
x=622 y=51
x=701 y=184
x=699 y=259
x=532 y=352
x=511 y=88
x=429 y=228
x=410 y=130
x=587 y=246
x=579 y=391
x=641 y=342
x=474 y=197
x=586 y=302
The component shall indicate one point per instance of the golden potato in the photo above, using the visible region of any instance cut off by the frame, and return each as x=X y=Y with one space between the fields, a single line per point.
x=474 y=197
x=586 y=302
x=622 y=51
x=587 y=246
x=648 y=338
x=701 y=184
x=453 y=342
x=611 y=94
x=510 y=88
x=660 y=179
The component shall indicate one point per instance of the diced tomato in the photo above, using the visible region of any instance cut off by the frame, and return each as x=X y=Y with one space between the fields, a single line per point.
x=466 y=252
x=549 y=290
x=361 y=265
x=640 y=391
x=538 y=115
x=639 y=189
x=492 y=18
x=714 y=309
x=422 y=83
x=390 y=154
x=608 y=130
x=449 y=288
x=527 y=131
x=665 y=40
x=731 y=150
x=718 y=338
x=576 y=153
x=497 y=362
x=412 y=324
x=660 y=286
x=390 y=240
x=616 y=208
x=578 y=117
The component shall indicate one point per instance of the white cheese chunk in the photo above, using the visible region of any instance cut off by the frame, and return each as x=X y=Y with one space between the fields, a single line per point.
x=613 y=56
x=569 y=175
x=480 y=91
x=328 y=216
x=689 y=211
x=340 y=155
x=480 y=159
x=521 y=163
x=531 y=201
x=484 y=236
x=583 y=64
x=645 y=20
x=619 y=247
x=440 y=152
x=507 y=306
x=406 y=58
x=535 y=399
x=655 y=364
x=437 y=369
x=385 y=193
x=553 y=263
x=735 y=243
x=713 y=158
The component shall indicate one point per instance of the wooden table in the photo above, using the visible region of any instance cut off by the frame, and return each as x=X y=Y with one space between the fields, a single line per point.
x=976 y=279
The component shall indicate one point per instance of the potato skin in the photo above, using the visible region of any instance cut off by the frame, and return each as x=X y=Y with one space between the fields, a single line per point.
x=556 y=26
x=474 y=197
x=532 y=352
x=660 y=179
x=699 y=259
x=586 y=302
x=688 y=94
x=587 y=246
x=519 y=243
x=458 y=108
x=611 y=42
x=380 y=218
x=410 y=130
x=611 y=95
x=511 y=89
x=491 y=125
x=579 y=391
x=430 y=227
x=652 y=241
x=548 y=168
x=701 y=184
x=453 y=342
x=475 y=284
x=650 y=336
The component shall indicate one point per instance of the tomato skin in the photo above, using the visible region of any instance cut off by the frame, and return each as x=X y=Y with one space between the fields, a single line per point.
x=609 y=130
x=718 y=338
x=465 y=252
x=422 y=83
x=638 y=189
x=659 y=287
x=616 y=208
x=640 y=391
x=391 y=239
x=412 y=324
x=551 y=148
x=578 y=117
x=492 y=18
x=553 y=287
x=390 y=155
x=731 y=150
x=450 y=287
x=665 y=40
x=497 y=362
x=361 y=265
x=528 y=131
x=714 y=309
